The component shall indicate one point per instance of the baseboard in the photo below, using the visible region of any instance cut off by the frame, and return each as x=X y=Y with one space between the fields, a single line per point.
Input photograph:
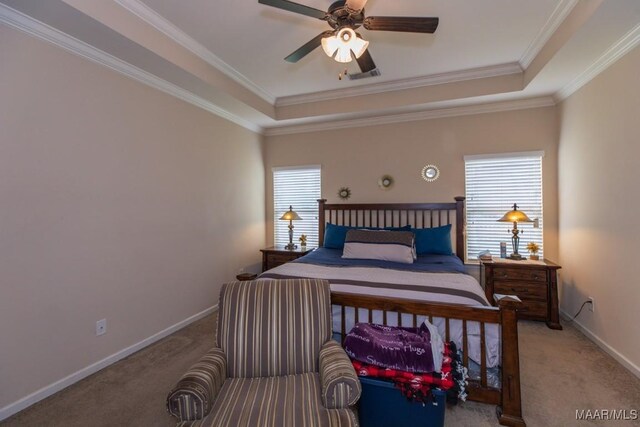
x=635 y=370
x=65 y=382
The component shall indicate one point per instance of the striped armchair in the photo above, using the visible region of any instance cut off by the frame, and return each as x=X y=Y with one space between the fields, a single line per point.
x=275 y=363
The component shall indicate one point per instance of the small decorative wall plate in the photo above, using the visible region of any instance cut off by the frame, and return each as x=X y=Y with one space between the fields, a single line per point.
x=430 y=173
x=344 y=193
x=385 y=182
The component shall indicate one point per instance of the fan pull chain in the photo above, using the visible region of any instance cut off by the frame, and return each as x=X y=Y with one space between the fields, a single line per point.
x=345 y=73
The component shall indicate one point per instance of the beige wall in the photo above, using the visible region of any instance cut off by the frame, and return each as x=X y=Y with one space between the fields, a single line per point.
x=116 y=201
x=599 y=175
x=358 y=157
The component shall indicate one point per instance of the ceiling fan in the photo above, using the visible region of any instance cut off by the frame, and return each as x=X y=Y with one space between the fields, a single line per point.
x=342 y=42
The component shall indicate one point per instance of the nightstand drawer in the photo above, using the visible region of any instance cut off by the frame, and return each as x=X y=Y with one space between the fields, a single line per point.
x=524 y=291
x=533 y=310
x=522 y=274
x=278 y=255
x=275 y=260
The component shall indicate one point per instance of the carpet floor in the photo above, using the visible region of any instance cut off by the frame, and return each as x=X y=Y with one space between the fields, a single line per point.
x=562 y=371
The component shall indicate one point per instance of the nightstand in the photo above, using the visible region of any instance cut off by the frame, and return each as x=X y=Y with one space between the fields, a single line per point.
x=278 y=255
x=534 y=282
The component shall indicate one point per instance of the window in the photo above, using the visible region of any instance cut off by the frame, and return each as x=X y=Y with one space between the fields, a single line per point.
x=493 y=184
x=298 y=187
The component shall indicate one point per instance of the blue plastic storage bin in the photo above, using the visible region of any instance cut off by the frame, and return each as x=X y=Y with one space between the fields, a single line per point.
x=383 y=405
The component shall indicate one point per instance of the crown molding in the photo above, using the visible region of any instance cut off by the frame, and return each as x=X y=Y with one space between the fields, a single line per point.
x=435 y=113
x=161 y=24
x=559 y=14
x=610 y=56
x=33 y=27
x=411 y=83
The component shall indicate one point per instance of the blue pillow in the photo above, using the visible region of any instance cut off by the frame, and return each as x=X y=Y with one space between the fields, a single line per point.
x=435 y=240
x=335 y=235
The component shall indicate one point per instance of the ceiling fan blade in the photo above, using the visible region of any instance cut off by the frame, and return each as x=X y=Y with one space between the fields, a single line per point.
x=366 y=62
x=401 y=23
x=296 y=8
x=355 y=6
x=307 y=48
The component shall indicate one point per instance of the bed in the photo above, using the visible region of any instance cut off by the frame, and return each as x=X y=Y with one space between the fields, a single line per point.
x=434 y=287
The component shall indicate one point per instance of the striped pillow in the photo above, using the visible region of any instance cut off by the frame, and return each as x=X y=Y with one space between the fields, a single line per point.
x=395 y=246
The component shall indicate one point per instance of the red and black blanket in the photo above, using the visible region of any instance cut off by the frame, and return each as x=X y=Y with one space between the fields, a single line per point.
x=417 y=386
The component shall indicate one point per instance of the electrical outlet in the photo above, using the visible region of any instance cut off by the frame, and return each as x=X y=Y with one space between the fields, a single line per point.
x=592 y=306
x=101 y=327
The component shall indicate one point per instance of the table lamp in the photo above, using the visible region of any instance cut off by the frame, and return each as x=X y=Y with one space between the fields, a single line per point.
x=515 y=216
x=290 y=216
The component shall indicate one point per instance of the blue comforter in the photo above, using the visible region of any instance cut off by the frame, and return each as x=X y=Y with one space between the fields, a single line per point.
x=425 y=263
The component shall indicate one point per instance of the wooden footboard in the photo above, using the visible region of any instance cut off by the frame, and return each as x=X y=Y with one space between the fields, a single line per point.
x=507 y=398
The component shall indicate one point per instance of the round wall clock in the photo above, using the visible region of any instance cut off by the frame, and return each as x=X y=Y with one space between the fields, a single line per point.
x=430 y=173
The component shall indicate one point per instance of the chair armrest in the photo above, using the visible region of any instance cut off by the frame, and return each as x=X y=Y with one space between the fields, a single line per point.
x=193 y=396
x=340 y=385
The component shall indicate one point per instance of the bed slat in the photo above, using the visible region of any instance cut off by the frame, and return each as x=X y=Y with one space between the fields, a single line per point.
x=465 y=345
x=483 y=357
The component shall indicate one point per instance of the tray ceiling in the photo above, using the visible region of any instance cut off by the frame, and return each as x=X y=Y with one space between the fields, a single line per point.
x=255 y=38
x=226 y=56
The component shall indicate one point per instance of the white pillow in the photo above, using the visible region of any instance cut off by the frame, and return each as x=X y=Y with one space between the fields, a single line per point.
x=384 y=245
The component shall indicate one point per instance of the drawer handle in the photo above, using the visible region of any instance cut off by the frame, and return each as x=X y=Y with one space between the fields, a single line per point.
x=535 y=276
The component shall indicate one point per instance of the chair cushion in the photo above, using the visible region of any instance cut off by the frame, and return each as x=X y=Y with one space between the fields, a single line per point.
x=273 y=327
x=292 y=400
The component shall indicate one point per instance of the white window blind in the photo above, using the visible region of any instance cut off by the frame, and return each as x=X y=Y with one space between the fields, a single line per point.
x=493 y=185
x=298 y=187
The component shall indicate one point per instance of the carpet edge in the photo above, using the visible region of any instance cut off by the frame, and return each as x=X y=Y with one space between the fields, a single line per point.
x=46 y=391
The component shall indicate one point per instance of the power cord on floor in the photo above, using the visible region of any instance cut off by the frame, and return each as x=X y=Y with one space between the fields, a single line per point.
x=580 y=311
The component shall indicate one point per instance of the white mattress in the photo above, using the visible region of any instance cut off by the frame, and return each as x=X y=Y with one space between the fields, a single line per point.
x=452 y=288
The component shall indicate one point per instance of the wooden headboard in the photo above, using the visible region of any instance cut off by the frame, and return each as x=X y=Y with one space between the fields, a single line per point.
x=418 y=215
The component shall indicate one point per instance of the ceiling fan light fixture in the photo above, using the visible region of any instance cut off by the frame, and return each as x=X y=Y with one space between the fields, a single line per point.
x=340 y=45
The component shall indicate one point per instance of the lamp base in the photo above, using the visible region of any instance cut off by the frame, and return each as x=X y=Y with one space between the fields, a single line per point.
x=516 y=257
x=291 y=247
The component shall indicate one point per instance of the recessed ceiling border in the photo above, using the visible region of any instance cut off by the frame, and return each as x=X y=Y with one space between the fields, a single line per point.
x=167 y=28
x=25 y=23
x=559 y=14
x=616 y=51
x=427 y=114
x=403 y=84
